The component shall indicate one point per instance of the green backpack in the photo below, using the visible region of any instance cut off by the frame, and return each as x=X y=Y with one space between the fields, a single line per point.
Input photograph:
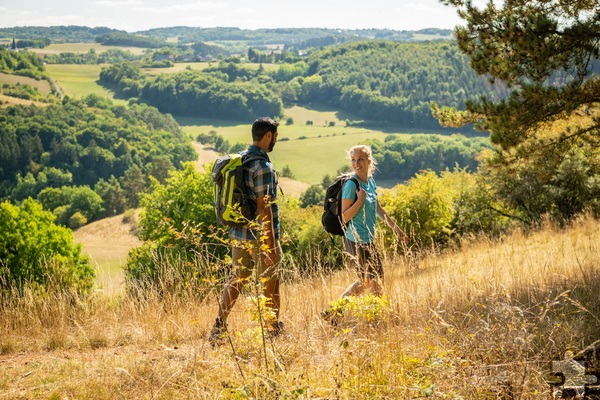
x=233 y=205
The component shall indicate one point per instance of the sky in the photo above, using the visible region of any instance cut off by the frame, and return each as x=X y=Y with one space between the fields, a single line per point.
x=137 y=15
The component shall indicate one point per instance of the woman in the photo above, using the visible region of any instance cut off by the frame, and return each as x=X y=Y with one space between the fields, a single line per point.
x=360 y=210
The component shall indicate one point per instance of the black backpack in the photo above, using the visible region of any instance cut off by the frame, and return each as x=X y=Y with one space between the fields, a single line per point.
x=233 y=205
x=332 y=214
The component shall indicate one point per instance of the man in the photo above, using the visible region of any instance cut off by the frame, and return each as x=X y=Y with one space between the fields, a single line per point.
x=256 y=245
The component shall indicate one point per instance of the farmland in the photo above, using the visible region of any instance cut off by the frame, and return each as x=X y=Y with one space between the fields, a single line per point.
x=325 y=140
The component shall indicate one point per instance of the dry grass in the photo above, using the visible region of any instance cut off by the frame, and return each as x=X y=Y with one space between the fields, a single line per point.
x=481 y=322
x=42 y=85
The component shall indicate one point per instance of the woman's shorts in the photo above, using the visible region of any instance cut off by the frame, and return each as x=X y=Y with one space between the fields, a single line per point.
x=366 y=257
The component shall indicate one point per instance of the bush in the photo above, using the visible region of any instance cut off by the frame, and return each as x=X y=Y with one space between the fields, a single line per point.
x=431 y=209
x=309 y=245
x=178 y=218
x=34 y=250
x=314 y=195
x=77 y=220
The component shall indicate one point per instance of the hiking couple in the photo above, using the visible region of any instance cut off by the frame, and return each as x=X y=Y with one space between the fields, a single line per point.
x=360 y=209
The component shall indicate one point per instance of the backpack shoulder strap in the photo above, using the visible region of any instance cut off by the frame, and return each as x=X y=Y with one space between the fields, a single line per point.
x=249 y=157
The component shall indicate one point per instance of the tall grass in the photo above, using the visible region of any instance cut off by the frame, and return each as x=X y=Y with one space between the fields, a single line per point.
x=482 y=321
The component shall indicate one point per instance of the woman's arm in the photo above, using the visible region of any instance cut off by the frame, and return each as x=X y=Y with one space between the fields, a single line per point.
x=350 y=207
x=389 y=221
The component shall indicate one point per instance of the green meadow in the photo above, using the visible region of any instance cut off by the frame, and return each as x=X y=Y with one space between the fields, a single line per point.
x=79 y=81
x=310 y=151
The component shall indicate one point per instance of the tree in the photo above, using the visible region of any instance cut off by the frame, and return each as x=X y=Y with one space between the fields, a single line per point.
x=34 y=250
x=112 y=195
x=547 y=52
x=314 y=195
x=176 y=223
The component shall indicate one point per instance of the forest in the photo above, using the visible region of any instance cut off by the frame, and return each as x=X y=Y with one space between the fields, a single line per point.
x=376 y=80
x=86 y=157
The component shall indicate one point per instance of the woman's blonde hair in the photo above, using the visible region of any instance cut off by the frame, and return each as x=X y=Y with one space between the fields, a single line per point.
x=366 y=151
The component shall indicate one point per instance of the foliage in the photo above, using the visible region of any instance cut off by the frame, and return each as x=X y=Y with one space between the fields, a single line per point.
x=194 y=93
x=387 y=81
x=423 y=208
x=25 y=91
x=69 y=34
x=81 y=142
x=176 y=223
x=310 y=248
x=433 y=208
x=314 y=195
x=356 y=309
x=128 y=39
x=22 y=63
x=34 y=250
x=560 y=182
x=401 y=157
x=546 y=51
x=66 y=201
x=36 y=43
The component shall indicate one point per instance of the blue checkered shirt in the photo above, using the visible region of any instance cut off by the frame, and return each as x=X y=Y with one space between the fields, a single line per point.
x=261 y=179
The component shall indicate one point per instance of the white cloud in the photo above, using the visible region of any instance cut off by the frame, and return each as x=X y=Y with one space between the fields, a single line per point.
x=199 y=6
x=117 y=3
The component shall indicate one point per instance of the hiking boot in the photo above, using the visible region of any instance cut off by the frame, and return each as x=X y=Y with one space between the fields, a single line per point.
x=217 y=333
x=275 y=329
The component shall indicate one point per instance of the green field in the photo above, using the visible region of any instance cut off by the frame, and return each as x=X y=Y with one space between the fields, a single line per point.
x=311 y=151
x=78 y=81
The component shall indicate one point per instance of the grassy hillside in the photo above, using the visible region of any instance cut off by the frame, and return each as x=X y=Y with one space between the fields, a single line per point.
x=311 y=151
x=79 y=80
x=482 y=322
x=57 y=48
x=42 y=85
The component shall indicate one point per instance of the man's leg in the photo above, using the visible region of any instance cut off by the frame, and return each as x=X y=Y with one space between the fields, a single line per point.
x=242 y=269
x=270 y=280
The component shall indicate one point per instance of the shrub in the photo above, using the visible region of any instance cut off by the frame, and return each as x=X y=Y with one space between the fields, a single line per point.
x=310 y=246
x=176 y=223
x=77 y=220
x=34 y=250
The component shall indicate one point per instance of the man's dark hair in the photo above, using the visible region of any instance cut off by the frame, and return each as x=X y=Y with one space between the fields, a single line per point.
x=263 y=125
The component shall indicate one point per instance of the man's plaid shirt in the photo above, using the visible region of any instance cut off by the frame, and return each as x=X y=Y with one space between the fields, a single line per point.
x=261 y=179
